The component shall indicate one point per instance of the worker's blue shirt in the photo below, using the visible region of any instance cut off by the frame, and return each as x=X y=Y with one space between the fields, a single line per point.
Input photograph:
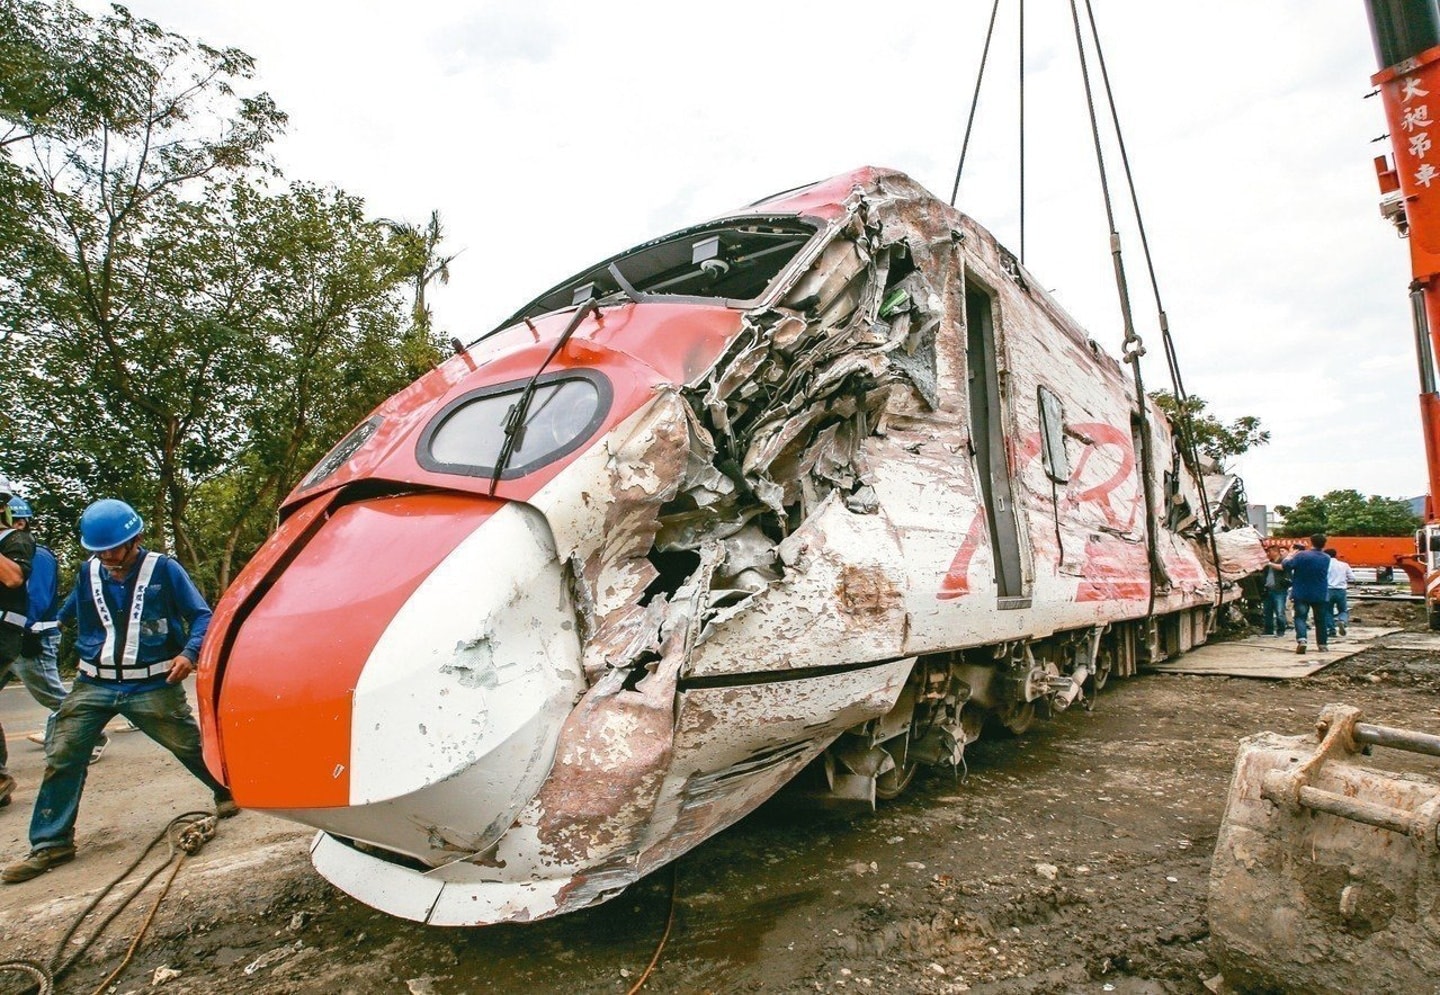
x=1310 y=576
x=173 y=621
x=43 y=587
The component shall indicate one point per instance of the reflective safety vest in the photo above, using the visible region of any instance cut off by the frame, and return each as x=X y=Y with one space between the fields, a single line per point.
x=118 y=658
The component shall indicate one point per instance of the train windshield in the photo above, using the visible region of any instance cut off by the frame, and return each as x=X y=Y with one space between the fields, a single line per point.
x=731 y=262
x=467 y=436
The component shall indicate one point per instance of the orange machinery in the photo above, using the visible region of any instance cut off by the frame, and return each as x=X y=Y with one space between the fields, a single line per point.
x=1380 y=552
x=1407 y=47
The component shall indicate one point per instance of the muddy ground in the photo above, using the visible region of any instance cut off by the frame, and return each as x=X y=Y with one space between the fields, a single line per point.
x=1074 y=859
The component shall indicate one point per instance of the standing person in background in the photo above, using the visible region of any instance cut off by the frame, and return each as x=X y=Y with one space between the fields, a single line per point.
x=1310 y=587
x=1337 y=609
x=1277 y=586
x=17 y=552
x=38 y=666
x=140 y=622
x=1290 y=576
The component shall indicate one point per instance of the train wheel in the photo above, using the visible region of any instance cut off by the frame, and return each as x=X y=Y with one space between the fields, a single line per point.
x=1101 y=677
x=1018 y=720
x=892 y=784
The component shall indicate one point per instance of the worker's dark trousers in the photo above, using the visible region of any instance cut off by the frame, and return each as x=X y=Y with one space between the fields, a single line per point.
x=1320 y=608
x=163 y=714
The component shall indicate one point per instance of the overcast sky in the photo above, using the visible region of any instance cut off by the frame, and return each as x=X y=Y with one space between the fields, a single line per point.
x=552 y=133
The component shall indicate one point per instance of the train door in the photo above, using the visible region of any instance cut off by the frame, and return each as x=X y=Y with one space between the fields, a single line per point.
x=987 y=434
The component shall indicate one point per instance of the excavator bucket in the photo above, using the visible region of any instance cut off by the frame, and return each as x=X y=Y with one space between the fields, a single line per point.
x=1326 y=876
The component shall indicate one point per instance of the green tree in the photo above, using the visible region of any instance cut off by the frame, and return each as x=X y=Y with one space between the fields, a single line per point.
x=420 y=261
x=1348 y=513
x=107 y=170
x=274 y=324
x=176 y=334
x=63 y=74
x=1213 y=439
x=332 y=338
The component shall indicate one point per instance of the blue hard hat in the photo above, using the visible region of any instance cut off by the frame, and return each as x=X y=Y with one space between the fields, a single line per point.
x=20 y=508
x=109 y=523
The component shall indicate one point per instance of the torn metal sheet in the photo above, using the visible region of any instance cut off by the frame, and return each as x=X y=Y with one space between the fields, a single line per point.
x=831 y=479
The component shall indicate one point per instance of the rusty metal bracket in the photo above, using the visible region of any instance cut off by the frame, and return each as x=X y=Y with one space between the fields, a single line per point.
x=1342 y=733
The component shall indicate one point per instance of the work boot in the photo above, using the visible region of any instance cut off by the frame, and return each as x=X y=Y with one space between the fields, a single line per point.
x=1299 y=647
x=7 y=788
x=225 y=808
x=1343 y=628
x=37 y=863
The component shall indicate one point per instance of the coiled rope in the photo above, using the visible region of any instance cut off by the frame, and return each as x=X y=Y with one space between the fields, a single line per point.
x=185 y=834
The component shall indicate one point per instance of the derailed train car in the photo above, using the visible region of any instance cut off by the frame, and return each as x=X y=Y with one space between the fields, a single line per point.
x=828 y=480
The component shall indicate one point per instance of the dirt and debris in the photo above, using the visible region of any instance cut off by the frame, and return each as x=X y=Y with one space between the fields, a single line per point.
x=1074 y=858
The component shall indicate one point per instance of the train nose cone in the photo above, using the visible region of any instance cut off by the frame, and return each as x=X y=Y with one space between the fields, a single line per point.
x=404 y=680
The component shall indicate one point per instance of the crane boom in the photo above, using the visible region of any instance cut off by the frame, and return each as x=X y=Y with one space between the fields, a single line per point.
x=1407 y=46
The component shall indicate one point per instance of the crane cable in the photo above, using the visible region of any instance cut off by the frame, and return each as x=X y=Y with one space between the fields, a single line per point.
x=1189 y=450
x=974 y=102
x=1133 y=347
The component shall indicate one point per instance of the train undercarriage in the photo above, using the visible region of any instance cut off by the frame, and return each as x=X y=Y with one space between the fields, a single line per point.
x=951 y=699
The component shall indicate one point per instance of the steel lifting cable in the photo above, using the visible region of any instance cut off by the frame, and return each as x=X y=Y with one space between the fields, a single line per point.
x=974 y=102
x=1189 y=449
x=1021 y=5
x=1133 y=347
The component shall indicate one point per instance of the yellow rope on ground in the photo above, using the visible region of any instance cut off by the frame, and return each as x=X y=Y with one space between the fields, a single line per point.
x=177 y=860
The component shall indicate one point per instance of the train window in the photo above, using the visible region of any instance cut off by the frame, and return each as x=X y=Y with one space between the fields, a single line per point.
x=564 y=411
x=340 y=455
x=1052 y=436
x=732 y=262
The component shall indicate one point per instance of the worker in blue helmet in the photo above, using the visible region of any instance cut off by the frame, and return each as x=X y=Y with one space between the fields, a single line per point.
x=140 y=621
x=17 y=554
x=38 y=664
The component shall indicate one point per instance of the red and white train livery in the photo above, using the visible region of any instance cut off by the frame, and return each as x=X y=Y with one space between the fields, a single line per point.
x=828 y=478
